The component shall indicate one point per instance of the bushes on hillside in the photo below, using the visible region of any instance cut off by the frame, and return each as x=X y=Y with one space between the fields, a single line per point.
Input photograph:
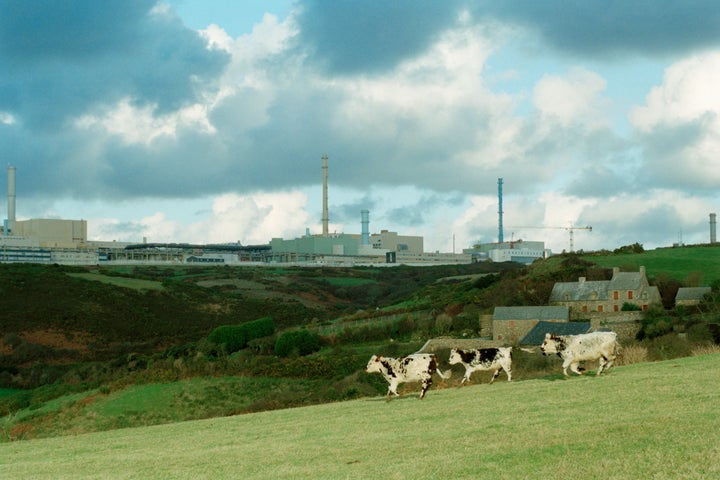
x=236 y=337
x=302 y=342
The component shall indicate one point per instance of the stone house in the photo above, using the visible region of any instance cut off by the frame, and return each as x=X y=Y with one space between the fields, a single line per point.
x=606 y=295
x=511 y=324
x=691 y=295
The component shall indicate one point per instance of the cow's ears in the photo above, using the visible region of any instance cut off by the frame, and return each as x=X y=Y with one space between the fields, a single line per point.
x=547 y=335
x=379 y=357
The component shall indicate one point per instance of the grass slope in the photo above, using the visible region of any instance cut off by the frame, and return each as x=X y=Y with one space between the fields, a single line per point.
x=653 y=420
x=676 y=263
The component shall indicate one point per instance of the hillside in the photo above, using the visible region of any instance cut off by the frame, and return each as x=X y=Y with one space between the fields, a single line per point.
x=96 y=343
x=698 y=264
x=651 y=420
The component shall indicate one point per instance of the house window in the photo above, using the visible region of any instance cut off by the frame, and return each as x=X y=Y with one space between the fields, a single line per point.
x=615 y=294
x=616 y=308
x=600 y=308
x=584 y=309
x=630 y=294
x=644 y=307
x=644 y=295
x=567 y=296
x=593 y=296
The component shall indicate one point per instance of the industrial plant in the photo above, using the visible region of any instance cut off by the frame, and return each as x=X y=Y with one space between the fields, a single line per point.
x=56 y=241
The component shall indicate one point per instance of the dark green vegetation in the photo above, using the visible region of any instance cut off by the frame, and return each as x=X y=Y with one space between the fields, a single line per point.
x=86 y=349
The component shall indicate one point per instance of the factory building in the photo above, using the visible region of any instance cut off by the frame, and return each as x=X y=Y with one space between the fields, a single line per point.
x=520 y=251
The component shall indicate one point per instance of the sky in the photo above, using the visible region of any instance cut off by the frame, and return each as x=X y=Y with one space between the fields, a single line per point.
x=205 y=121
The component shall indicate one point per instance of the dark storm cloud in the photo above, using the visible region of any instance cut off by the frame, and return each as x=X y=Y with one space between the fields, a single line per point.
x=615 y=28
x=348 y=36
x=57 y=59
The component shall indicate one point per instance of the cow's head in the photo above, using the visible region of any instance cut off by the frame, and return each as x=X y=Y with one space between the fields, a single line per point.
x=454 y=357
x=552 y=344
x=374 y=364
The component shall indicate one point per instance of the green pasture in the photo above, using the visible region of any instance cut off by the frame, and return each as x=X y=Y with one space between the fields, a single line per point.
x=347 y=281
x=646 y=420
x=677 y=263
x=125 y=282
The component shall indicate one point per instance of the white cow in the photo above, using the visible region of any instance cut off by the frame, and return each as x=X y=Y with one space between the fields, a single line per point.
x=483 y=359
x=573 y=349
x=418 y=367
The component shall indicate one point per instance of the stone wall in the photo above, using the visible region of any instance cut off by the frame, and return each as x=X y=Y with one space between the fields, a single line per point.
x=625 y=324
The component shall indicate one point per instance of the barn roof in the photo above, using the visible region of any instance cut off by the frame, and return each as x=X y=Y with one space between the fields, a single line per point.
x=692 y=293
x=536 y=336
x=532 y=313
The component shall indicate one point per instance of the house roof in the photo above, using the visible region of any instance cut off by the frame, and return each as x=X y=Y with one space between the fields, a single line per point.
x=532 y=313
x=627 y=281
x=579 y=291
x=536 y=336
x=584 y=290
x=692 y=293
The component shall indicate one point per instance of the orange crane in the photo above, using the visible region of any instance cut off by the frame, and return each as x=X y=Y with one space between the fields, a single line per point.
x=570 y=229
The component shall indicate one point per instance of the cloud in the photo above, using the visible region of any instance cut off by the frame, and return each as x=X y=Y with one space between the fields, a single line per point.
x=249 y=219
x=613 y=29
x=349 y=37
x=571 y=100
x=679 y=126
x=60 y=59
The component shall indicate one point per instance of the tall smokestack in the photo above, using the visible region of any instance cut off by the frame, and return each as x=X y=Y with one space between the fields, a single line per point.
x=325 y=218
x=712 y=228
x=11 y=194
x=500 y=211
x=365 y=223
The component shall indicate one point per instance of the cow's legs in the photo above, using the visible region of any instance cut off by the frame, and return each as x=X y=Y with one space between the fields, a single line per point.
x=602 y=361
x=495 y=375
x=508 y=372
x=425 y=385
x=392 y=388
x=573 y=367
x=466 y=378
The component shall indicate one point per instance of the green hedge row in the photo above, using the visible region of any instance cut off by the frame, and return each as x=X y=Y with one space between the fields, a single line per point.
x=303 y=342
x=236 y=337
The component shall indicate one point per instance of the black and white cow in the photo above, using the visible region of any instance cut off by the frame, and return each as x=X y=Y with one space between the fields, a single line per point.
x=483 y=359
x=573 y=349
x=418 y=367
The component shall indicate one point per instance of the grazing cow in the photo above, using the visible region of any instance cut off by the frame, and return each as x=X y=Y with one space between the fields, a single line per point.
x=412 y=368
x=573 y=349
x=483 y=359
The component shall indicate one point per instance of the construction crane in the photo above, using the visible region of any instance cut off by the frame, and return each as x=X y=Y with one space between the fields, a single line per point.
x=570 y=229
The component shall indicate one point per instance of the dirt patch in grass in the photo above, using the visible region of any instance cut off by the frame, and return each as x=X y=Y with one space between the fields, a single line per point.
x=70 y=341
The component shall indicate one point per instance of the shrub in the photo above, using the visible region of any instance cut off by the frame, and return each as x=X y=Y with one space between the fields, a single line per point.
x=303 y=342
x=632 y=354
x=262 y=327
x=232 y=337
x=630 y=307
x=236 y=337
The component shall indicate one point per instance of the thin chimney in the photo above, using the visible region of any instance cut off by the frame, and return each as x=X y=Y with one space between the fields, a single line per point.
x=325 y=218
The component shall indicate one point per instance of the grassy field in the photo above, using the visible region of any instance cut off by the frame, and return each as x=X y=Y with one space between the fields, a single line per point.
x=676 y=263
x=134 y=283
x=650 y=420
